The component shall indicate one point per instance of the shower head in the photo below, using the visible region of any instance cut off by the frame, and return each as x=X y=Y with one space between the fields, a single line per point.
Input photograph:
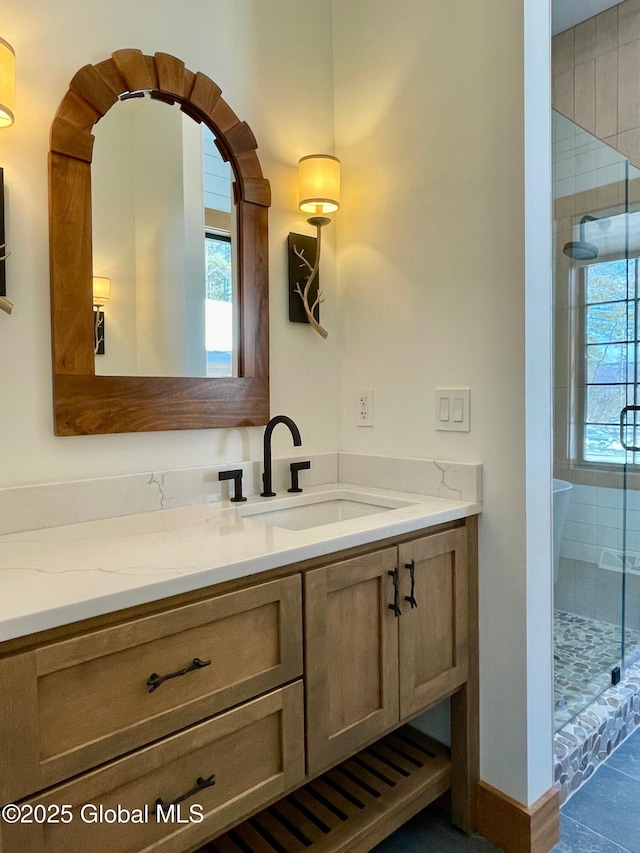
x=580 y=250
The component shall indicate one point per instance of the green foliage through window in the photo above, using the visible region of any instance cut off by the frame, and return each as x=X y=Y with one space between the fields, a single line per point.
x=611 y=357
x=218 y=268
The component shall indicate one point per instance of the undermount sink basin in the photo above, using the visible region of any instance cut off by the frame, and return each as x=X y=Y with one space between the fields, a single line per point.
x=301 y=512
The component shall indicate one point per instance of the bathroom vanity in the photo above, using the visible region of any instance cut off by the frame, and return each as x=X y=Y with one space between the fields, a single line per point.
x=266 y=706
x=208 y=672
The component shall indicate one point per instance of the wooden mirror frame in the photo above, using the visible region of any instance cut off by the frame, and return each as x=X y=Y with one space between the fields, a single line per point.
x=86 y=404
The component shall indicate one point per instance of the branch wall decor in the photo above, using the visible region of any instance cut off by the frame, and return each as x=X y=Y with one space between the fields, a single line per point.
x=305 y=295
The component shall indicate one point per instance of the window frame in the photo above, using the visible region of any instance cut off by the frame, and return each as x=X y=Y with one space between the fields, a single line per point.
x=580 y=368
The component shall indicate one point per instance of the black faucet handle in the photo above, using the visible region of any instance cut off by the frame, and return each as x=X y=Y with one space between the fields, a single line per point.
x=295 y=468
x=236 y=475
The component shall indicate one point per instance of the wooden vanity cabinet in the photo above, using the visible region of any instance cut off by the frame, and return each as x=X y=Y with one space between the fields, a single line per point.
x=79 y=725
x=385 y=637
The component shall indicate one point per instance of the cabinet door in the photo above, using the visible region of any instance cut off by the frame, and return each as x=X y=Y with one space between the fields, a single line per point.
x=434 y=632
x=351 y=656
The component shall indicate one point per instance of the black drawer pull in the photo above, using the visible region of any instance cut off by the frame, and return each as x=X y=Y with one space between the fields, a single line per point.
x=201 y=784
x=412 y=571
x=394 y=606
x=154 y=681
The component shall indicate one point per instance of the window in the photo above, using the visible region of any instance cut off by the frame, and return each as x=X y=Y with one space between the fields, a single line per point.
x=610 y=366
x=218 y=304
x=219 y=222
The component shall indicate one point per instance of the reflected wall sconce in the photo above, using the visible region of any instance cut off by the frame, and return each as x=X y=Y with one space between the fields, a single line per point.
x=101 y=293
x=319 y=194
x=7 y=83
x=5 y=305
x=7 y=87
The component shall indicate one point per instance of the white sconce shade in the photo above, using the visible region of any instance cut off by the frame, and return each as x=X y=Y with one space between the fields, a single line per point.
x=319 y=184
x=7 y=83
x=319 y=194
x=101 y=290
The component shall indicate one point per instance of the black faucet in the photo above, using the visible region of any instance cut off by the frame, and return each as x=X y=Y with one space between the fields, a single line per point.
x=267 y=491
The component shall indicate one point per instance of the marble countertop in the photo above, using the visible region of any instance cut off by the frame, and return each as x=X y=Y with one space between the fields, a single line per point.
x=58 y=575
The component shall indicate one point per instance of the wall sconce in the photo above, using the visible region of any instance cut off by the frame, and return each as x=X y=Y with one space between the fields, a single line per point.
x=5 y=305
x=319 y=193
x=101 y=293
x=7 y=85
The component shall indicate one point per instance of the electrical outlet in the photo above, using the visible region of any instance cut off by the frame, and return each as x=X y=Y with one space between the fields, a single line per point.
x=364 y=409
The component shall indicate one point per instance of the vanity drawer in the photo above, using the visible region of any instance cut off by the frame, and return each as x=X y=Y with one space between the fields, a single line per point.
x=75 y=704
x=254 y=753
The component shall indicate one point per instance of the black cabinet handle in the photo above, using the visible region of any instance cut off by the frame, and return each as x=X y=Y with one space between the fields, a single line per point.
x=154 y=681
x=395 y=607
x=201 y=784
x=412 y=571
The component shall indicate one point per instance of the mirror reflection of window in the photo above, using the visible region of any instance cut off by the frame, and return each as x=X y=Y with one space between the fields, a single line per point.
x=218 y=209
x=164 y=230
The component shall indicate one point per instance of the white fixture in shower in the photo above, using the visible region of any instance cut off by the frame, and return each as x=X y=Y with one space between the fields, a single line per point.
x=561 y=499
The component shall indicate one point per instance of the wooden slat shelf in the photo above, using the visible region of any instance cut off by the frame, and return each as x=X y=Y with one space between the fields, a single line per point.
x=351 y=807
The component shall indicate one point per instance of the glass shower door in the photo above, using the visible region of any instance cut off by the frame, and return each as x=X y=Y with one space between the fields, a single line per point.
x=629 y=421
x=630 y=439
x=594 y=354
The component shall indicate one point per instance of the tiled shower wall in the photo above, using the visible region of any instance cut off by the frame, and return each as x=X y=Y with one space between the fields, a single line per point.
x=593 y=533
x=590 y=177
x=596 y=76
x=596 y=83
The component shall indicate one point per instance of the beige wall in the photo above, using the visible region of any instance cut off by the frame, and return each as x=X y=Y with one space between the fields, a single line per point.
x=596 y=76
x=439 y=288
x=274 y=63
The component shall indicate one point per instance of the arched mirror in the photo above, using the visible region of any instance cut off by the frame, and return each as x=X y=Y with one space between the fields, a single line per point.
x=156 y=191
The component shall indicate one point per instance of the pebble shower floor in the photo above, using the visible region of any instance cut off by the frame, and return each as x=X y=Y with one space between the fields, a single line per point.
x=592 y=717
x=585 y=650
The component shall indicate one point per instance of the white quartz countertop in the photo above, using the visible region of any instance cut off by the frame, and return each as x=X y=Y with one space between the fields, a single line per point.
x=58 y=575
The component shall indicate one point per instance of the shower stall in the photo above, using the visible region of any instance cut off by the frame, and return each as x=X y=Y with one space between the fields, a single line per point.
x=596 y=433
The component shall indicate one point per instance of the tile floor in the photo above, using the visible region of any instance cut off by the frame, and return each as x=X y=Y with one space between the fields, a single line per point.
x=431 y=831
x=602 y=817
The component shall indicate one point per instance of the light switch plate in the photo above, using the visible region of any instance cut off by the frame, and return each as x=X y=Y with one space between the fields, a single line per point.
x=453 y=409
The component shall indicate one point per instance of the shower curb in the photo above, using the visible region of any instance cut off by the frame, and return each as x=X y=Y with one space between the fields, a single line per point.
x=585 y=742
